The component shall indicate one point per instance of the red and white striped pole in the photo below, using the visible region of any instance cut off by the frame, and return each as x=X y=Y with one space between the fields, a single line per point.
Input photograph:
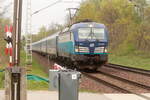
x=6 y=30
x=9 y=46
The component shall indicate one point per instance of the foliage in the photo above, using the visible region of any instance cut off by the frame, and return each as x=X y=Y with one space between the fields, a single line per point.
x=127 y=22
x=44 y=32
x=3 y=57
x=36 y=69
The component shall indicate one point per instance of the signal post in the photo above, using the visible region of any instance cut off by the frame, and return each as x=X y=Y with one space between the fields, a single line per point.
x=15 y=76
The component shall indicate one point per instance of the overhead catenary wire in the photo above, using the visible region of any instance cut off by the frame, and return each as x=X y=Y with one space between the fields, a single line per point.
x=58 y=1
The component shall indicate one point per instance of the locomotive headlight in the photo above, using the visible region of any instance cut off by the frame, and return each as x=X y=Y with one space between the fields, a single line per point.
x=81 y=49
x=90 y=25
x=99 y=49
x=105 y=49
x=76 y=49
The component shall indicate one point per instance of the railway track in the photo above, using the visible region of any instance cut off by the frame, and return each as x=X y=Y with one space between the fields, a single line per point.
x=130 y=69
x=113 y=85
x=140 y=86
x=116 y=87
x=106 y=83
x=126 y=80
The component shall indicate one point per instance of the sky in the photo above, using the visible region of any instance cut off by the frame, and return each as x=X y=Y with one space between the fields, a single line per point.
x=55 y=14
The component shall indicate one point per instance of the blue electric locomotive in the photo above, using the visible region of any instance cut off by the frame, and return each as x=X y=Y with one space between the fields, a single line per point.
x=84 y=43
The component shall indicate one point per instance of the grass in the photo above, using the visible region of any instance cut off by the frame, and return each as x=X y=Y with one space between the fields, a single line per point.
x=88 y=91
x=36 y=69
x=3 y=62
x=131 y=60
x=1 y=80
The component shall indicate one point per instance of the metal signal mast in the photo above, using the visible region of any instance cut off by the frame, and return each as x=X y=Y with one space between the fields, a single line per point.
x=28 y=34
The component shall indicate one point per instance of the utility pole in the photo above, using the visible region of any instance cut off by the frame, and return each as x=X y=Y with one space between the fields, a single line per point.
x=72 y=16
x=15 y=76
x=28 y=34
x=17 y=31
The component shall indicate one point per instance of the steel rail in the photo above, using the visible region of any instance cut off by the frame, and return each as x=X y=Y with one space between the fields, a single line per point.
x=106 y=83
x=113 y=86
x=126 y=80
x=130 y=69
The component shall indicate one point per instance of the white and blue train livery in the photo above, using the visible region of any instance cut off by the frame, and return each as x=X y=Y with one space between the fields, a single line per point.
x=84 y=43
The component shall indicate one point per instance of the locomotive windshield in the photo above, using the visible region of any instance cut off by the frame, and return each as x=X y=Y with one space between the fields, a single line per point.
x=91 y=33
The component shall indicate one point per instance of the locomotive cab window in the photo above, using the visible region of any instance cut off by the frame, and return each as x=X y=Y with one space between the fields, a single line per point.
x=91 y=33
x=99 y=33
x=83 y=33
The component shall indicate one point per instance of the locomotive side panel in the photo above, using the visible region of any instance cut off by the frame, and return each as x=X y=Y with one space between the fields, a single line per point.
x=65 y=44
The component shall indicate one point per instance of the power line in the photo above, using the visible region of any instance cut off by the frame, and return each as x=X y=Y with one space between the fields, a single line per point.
x=47 y=7
x=58 y=1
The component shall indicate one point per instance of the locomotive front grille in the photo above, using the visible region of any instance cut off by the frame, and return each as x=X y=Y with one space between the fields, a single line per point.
x=99 y=50
x=82 y=49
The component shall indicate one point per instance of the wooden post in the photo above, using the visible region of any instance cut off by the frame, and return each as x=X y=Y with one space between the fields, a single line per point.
x=10 y=79
x=8 y=84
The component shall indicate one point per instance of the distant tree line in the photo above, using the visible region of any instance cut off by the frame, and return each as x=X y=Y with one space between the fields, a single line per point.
x=44 y=32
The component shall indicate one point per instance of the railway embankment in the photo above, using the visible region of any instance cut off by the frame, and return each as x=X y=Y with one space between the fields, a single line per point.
x=135 y=61
x=107 y=79
x=41 y=65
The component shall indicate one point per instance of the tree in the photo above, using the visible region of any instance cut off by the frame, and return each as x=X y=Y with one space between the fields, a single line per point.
x=4 y=9
x=122 y=19
x=3 y=22
x=44 y=32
